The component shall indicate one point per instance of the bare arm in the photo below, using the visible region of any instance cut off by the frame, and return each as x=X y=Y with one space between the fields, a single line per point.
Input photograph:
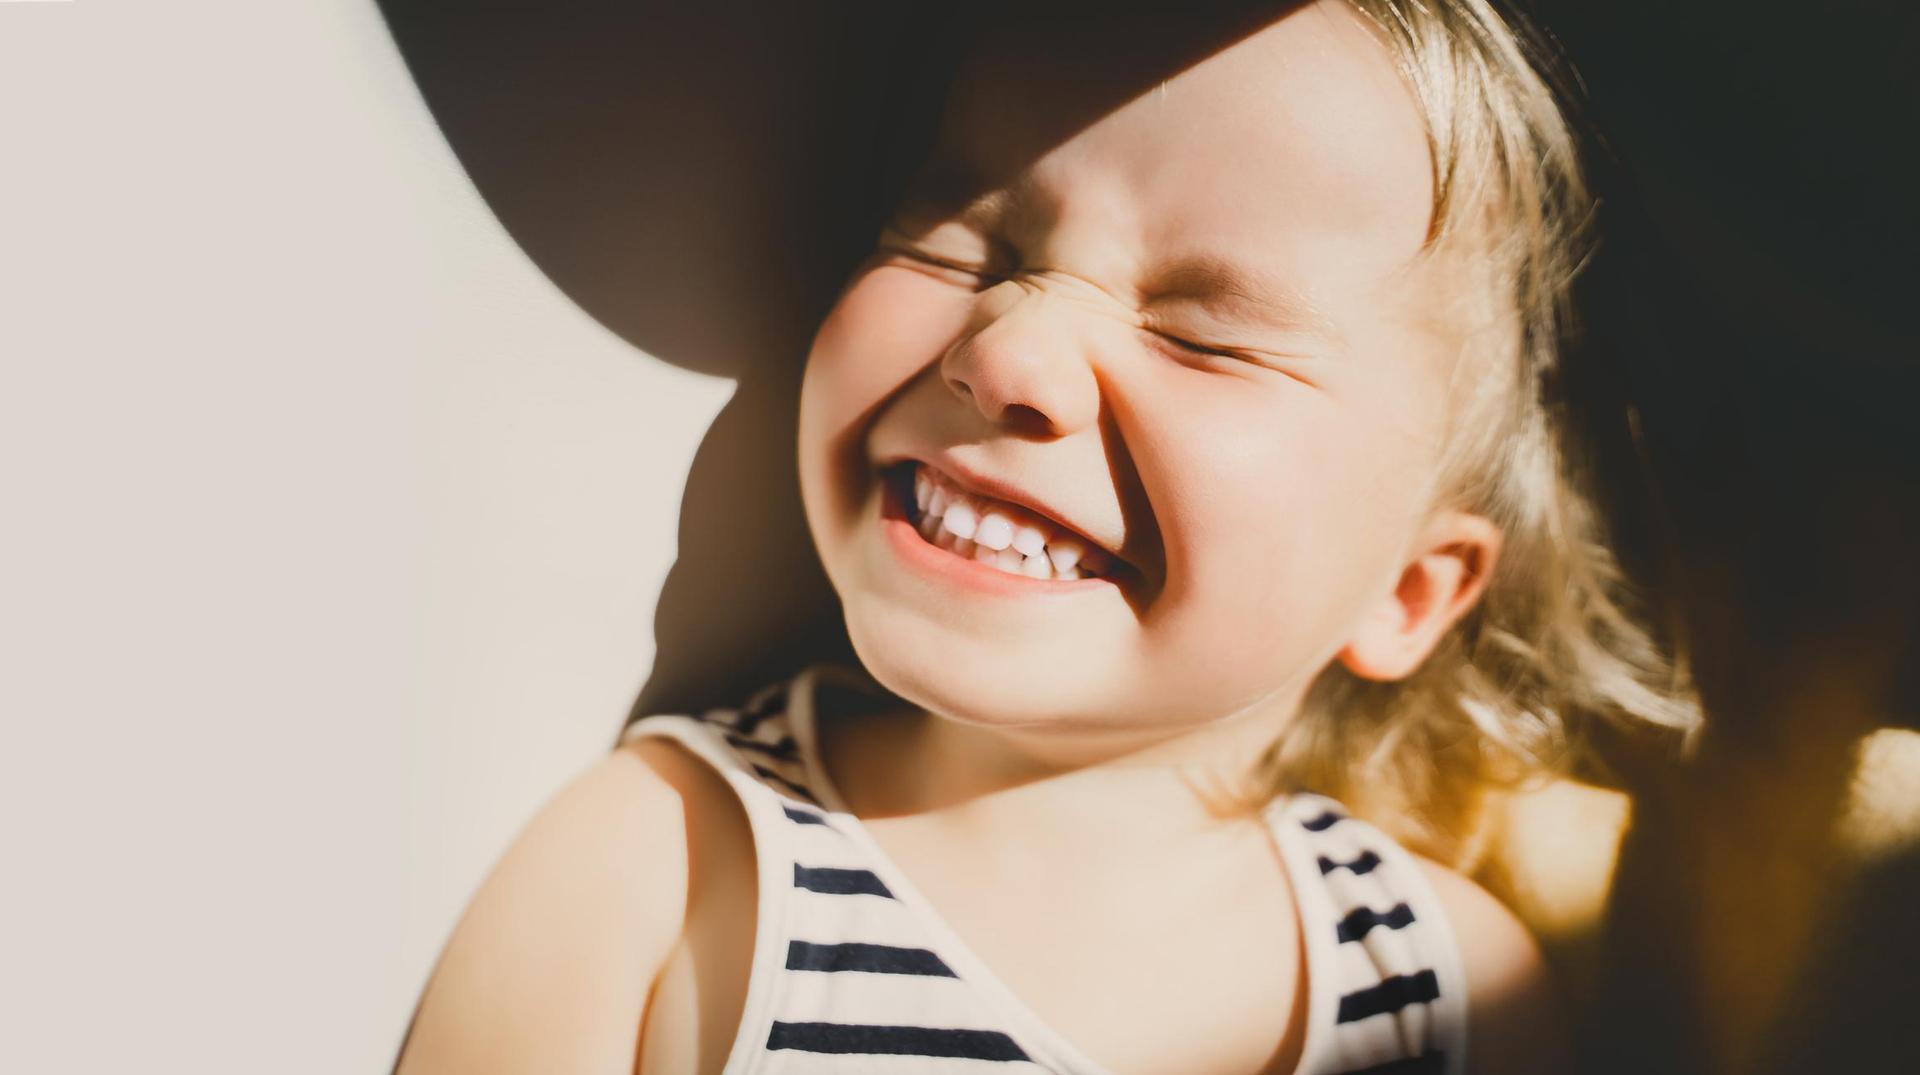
x=1515 y=1021
x=552 y=964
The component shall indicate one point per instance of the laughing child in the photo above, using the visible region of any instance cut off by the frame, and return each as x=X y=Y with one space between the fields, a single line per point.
x=1185 y=443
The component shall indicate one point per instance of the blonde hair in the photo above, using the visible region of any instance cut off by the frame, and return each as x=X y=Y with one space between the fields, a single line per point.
x=1558 y=638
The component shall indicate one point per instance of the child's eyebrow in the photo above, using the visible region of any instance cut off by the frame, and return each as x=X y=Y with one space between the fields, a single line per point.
x=941 y=180
x=1214 y=281
x=949 y=185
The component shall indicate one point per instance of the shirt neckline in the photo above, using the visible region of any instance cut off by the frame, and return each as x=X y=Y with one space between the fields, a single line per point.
x=1042 y=1043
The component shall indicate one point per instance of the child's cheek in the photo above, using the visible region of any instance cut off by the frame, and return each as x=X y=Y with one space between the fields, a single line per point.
x=889 y=325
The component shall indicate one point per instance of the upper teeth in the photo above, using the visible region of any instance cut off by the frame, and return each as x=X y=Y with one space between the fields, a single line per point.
x=999 y=534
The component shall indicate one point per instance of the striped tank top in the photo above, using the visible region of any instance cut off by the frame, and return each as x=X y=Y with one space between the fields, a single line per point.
x=854 y=972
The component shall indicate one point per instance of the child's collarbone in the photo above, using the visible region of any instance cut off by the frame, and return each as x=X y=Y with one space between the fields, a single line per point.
x=1145 y=967
x=1148 y=970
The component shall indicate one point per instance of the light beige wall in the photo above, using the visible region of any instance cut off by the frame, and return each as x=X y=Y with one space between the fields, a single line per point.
x=330 y=538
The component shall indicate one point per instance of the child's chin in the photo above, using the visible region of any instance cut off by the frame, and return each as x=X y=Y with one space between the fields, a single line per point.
x=990 y=689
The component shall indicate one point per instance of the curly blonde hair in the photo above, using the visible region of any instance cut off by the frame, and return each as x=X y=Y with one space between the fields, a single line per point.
x=1559 y=638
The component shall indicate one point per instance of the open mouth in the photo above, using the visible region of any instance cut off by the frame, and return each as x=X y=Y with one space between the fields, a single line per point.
x=1005 y=537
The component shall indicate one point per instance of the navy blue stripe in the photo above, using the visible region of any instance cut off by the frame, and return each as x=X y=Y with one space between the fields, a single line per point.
x=894 y=1040
x=797 y=789
x=746 y=723
x=802 y=817
x=1364 y=862
x=1322 y=823
x=835 y=881
x=1390 y=995
x=1430 y=1063
x=1360 y=921
x=872 y=958
x=785 y=750
x=753 y=715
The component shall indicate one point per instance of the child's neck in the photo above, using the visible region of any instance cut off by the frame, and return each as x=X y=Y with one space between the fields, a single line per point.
x=968 y=777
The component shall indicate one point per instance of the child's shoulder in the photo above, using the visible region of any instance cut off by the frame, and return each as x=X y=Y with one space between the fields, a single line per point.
x=572 y=927
x=640 y=864
x=1424 y=948
x=1515 y=1016
x=1514 y=1020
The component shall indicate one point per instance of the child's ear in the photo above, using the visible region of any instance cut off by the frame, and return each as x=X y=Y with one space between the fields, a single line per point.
x=1452 y=563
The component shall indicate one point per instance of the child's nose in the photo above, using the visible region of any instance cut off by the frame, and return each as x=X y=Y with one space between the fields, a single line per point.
x=1023 y=365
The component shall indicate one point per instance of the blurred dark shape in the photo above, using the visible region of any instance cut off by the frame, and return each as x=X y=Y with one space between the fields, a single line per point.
x=701 y=179
x=1755 y=297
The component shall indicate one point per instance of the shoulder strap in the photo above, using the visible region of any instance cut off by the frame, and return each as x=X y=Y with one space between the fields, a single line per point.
x=1388 y=992
x=829 y=902
x=755 y=739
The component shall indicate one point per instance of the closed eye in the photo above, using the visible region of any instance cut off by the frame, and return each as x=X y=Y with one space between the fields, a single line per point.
x=1290 y=364
x=898 y=243
x=953 y=265
x=1197 y=348
x=970 y=276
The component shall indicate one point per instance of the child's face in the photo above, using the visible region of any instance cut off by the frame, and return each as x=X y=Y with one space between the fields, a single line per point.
x=1269 y=502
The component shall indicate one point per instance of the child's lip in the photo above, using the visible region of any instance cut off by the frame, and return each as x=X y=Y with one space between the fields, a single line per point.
x=958 y=474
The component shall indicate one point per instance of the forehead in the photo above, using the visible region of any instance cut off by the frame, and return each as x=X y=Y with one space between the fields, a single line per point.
x=1291 y=147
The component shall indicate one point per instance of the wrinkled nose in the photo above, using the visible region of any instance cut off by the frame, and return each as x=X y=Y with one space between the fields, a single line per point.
x=1023 y=364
